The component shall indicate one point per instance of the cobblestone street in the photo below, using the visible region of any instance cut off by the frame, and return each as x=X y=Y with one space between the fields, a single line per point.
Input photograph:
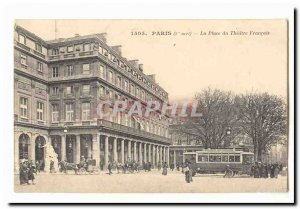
x=149 y=182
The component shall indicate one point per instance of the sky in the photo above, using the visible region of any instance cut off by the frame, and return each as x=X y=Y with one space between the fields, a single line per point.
x=185 y=64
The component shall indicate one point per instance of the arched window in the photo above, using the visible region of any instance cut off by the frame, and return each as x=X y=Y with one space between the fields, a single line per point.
x=23 y=146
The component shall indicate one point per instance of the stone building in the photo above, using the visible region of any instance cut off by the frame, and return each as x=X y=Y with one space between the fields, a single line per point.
x=58 y=85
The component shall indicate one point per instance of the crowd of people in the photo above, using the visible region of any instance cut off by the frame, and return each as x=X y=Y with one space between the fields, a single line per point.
x=27 y=171
x=264 y=170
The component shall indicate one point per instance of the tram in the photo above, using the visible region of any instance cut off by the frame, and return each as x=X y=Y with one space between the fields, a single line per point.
x=216 y=161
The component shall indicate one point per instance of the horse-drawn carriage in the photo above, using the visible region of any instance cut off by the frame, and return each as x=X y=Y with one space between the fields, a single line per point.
x=87 y=167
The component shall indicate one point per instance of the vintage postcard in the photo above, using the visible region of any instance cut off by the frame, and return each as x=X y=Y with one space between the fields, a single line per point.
x=151 y=106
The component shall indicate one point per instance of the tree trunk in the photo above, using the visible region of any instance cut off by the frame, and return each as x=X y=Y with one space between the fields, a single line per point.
x=259 y=154
x=255 y=153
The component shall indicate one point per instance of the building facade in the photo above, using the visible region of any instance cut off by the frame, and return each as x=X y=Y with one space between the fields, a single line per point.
x=58 y=85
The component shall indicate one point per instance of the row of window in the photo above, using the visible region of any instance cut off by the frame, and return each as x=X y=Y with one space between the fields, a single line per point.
x=85 y=115
x=24 y=61
x=219 y=158
x=70 y=70
x=23 y=40
x=88 y=47
x=126 y=68
x=86 y=89
x=72 y=48
x=24 y=109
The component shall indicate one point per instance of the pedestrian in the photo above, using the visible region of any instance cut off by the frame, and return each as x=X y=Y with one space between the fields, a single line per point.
x=177 y=167
x=252 y=171
x=276 y=170
x=186 y=170
x=101 y=165
x=172 y=166
x=190 y=172
x=256 y=170
x=38 y=166
x=109 y=166
x=165 y=169
x=272 y=171
x=31 y=172
x=149 y=166
x=52 y=169
x=228 y=172
x=22 y=172
x=260 y=169
x=266 y=174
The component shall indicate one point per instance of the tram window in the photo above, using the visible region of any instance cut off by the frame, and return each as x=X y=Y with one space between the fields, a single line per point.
x=247 y=159
x=218 y=159
x=190 y=157
x=231 y=158
x=214 y=158
x=224 y=158
x=202 y=158
x=237 y=158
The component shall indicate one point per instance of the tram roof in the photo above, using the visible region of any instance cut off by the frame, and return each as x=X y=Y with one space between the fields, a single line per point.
x=218 y=151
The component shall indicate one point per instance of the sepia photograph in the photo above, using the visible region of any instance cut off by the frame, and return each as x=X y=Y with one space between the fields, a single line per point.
x=151 y=106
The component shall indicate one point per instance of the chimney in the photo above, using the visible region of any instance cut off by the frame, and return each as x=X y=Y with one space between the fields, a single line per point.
x=103 y=36
x=118 y=49
x=152 y=77
x=141 y=68
x=135 y=63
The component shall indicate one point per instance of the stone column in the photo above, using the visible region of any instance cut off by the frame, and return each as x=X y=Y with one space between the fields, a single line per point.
x=140 y=153
x=129 y=150
x=157 y=154
x=134 y=151
x=16 y=153
x=122 y=151
x=63 y=147
x=115 y=149
x=106 y=151
x=145 y=153
x=95 y=149
x=77 y=160
x=31 y=148
x=153 y=155
x=164 y=154
x=149 y=153
x=168 y=156
x=174 y=160
x=160 y=155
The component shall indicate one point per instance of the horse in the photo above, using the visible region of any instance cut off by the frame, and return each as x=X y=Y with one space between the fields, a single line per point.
x=65 y=166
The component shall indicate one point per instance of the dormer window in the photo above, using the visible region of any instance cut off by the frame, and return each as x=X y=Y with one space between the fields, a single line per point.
x=55 y=52
x=70 y=49
x=22 y=39
x=87 y=47
x=38 y=47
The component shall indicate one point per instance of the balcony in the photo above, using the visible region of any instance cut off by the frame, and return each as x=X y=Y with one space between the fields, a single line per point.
x=100 y=123
x=130 y=130
x=29 y=121
x=72 y=55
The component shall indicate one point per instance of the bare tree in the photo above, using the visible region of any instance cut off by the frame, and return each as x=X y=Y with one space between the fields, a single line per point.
x=262 y=117
x=218 y=116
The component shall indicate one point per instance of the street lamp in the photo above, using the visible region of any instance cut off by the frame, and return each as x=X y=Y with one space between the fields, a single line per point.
x=228 y=132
